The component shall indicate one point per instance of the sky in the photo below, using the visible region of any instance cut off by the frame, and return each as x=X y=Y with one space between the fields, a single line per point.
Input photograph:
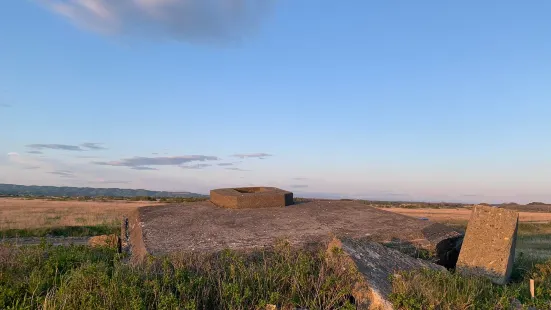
x=392 y=100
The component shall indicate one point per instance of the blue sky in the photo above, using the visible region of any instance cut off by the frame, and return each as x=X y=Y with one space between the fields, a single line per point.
x=400 y=100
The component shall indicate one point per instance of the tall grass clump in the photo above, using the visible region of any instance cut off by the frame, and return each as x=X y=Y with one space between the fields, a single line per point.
x=79 y=277
x=442 y=290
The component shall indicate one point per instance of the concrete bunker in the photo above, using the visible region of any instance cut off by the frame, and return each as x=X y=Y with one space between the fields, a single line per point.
x=253 y=218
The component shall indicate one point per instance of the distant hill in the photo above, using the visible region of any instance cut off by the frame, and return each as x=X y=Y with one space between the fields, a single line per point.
x=65 y=191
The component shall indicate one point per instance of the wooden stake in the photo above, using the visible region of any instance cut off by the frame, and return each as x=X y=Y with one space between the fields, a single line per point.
x=532 y=288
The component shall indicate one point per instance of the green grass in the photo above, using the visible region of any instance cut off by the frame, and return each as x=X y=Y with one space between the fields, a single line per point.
x=538 y=246
x=443 y=290
x=79 y=277
x=64 y=231
x=534 y=228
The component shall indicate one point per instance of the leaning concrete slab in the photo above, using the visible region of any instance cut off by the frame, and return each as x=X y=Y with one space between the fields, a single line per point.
x=251 y=197
x=205 y=227
x=488 y=248
x=377 y=264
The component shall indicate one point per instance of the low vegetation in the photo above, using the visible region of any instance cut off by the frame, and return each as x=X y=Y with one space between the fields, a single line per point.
x=443 y=290
x=79 y=277
x=64 y=231
x=412 y=205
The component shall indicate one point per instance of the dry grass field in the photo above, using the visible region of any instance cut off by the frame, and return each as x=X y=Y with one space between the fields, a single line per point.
x=18 y=213
x=463 y=214
x=534 y=237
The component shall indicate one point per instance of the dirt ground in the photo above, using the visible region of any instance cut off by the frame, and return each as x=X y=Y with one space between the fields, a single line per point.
x=18 y=213
x=459 y=215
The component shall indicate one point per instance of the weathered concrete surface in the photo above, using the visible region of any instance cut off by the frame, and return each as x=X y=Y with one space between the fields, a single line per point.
x=207 y=228
x=377 y=264
x=251 y=197
x=489 y=245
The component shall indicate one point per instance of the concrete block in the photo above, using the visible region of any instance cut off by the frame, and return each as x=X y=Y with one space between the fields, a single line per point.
x=488 y=248
x=251 y=197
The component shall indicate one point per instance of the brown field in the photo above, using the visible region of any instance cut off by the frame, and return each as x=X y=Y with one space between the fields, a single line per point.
x=463 y=214
x=16 y=213
x=21 y=213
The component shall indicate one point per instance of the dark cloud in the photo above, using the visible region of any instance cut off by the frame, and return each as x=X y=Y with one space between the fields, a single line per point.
x=197 y=166
x=35 y=152
x=237 y=169
x=254 y=155
x=93 y=146
x=299 y=186
x=63 y=173
x=143 y=168
x=189 y=20
x=156 y=161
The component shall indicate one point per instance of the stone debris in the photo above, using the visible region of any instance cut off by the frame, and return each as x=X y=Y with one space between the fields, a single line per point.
x=377 y=264
x=488 y=248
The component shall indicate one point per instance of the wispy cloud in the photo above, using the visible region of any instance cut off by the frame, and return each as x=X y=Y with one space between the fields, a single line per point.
x=156 y=161
x=190 y=20
x=5 y=105
x=143 y=168
x=64 y=147
x=237 y=169
x=30 y=168
x=397 y=194
x=196 y=166
x=93 y=146
x=35 y=152
x=25 y=162
x=253 y=155
x=299 y=186
x=102 y=181
x=67 y=147
x=63 y=173
x=225 y=164
x=300 y=179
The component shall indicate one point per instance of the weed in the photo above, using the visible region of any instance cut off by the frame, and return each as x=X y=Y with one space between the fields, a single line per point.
x=95 y=278
x=442 y=290
x=64 y=231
